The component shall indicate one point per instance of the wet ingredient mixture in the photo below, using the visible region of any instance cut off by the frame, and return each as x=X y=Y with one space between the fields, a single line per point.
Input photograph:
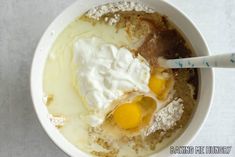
x=137 y=122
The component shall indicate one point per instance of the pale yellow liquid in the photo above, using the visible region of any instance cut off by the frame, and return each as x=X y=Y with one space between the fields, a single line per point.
x=58 y=81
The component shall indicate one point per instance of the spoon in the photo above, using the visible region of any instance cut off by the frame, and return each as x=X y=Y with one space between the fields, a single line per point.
x=216 y=61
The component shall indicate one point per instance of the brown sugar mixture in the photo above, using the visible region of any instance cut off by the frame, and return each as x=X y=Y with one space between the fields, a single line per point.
x=161 y=39
x=156 y=37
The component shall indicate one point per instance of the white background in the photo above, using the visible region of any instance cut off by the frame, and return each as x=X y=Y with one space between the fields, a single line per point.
x=23 y=22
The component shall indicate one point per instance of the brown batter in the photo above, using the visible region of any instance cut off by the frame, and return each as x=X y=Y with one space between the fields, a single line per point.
x=161 y=38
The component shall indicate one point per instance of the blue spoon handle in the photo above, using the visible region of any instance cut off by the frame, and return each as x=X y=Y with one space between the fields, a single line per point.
x=216 y=61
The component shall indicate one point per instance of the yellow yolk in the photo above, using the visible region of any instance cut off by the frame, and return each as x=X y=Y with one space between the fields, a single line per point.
x=128 y=116
x=157 y=85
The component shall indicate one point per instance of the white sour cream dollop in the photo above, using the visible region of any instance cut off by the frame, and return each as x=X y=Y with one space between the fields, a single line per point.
x=104 y=73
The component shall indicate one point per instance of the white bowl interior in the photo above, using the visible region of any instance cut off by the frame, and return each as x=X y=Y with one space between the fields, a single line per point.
x=75 y=10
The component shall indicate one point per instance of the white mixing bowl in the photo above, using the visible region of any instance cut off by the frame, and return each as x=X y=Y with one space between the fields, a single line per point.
x=175 y=15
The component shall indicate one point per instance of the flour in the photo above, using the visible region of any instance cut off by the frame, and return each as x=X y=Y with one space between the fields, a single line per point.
x=167 y=117
x=97 y=12
x=112 y=20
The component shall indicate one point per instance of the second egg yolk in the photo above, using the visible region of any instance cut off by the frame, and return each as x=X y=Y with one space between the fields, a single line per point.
x=128 y=116
x=157 y=85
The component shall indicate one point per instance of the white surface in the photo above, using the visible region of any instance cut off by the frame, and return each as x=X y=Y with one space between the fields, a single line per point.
x=21 y=25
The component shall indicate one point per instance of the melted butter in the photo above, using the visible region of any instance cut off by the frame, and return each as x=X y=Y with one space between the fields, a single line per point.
x=58 y=76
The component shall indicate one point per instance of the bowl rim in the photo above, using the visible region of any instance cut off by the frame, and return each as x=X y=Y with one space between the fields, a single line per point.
x=48 y=128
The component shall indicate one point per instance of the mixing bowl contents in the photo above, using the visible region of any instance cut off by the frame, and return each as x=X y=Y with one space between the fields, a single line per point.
x=104 y=89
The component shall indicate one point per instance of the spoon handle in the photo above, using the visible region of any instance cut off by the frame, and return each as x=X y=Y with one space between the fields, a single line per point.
x=216 y=61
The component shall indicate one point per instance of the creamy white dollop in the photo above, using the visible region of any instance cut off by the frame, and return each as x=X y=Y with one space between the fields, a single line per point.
x=105 y=72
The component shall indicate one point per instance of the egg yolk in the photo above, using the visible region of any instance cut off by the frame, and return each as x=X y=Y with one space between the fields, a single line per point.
x=128 y=116
x=157 y=85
